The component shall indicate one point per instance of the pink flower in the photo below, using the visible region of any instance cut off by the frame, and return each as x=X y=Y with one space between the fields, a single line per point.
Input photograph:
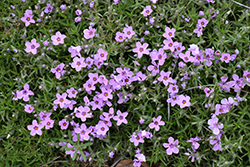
x=61 y=100
x=83 y=131
x=120 y=118
x=186 y=57
x=78 y=63
x=72 y=92
x=208 y=91
x=173 y=89
x=64 y=124
x=35 y=128
x=220 y=109
x=156 y=123
x=141 y=49
x=31 y=46
x=89 y=33
x=83 y=113
x=48 y=8
x=58 y=70
x=172 y=146
x=28 y=108
x=214 y=125
x=168 y=44
x=48 y=123
x=225 y=57
x=102 y=128
x=136 y=138
x=183 y=101
x=198 y=30
x=202 y=22
x=25 y=93
x=128 y=32
x=119 y=37
x=58 y=38
x=101 y=55
x=169 y=33
x=28 y=18
x=75 y=51
x=147 y=11
x=165 y=78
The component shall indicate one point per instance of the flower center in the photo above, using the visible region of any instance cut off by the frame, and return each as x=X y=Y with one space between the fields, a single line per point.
x=137 y=137
x=64 y=124
x=90 y=33
x=61 y=100
x=174 y=88
x=129 y=33
x=58 y=70
x=78 y=63
x=202 y=23
x=225 y=58
x=165 y=78
x=28 y=19
x=170 y=45
x=147 y=11
x=33 y=46
x=159 y=56
x=74 y=92
x=94 y=79
x=184 y=101
x=48 y=123
x=156 y=123
x=121 y=117
x=170 y=34
x=83 y=113
x=89 y=85
x=105 y=94
x=248 y=76
x=120 y=37
x=141 y=49
x=102 y=55
x=35 y=127
x=102 y=128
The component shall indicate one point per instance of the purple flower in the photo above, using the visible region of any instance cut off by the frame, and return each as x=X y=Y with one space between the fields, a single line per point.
x=136 y=138
x=147 y=11
x=160 y=56
x=75 y=50
x=225 y=57
x=214 y=125
x=63 y=7
x=208 y=91
x=173 y=89
x=35 y=128
x=220 y=109
x=45 y=43
x=194 y=142
x=83 y=113
x=247 y=75
x=165 y=78
x=78 y=63
x=78 y=19
x=120 y=118
x=102 y=128
x=119 y=37
x=216 y=142
x=111 y=154
x=78 y=12
x=168 y=44
x=89 y=86
x=89 y=33
x=198 y=30
x=28 y=108
x=183 y=101
x=186 y=57
x=156 y=123
x=172 y=146
x=141 y=49
x=72 y=92
x=31 y=46
x=64 y=124
x=61 y=100
x=48 y=8
x=28 y=18
x=128 y=32
x=83 y=131
x=154 y=68
x=192 y=155
x=48 y=123
x=58 y=70
x=169 y=33
x=101 y=54
x=106 y=94
x=58 y=38
x=115 y=2
x=202 y=22
x=25 y=93
x=72 y=151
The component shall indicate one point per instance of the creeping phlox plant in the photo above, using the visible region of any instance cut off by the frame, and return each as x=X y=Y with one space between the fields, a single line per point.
x=154 y=81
